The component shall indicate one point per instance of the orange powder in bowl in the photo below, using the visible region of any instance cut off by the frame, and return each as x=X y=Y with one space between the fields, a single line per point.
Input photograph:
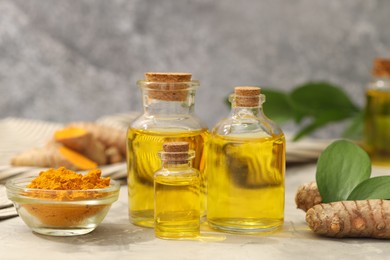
x=63 y=179
x=62 y=193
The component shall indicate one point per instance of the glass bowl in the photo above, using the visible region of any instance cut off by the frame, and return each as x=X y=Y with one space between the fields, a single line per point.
x=61 y=212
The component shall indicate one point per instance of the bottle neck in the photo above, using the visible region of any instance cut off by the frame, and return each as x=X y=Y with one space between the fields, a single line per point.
x=161 y=107
x=176 y=160
x=245 y=112
x=168 y=98
x=166 y=164
x=245 y=107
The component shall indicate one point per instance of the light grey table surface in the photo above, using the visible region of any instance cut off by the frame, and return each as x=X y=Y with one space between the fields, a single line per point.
x=116 y=238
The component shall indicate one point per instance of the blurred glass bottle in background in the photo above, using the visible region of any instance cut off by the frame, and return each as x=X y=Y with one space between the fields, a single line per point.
x=377 y=114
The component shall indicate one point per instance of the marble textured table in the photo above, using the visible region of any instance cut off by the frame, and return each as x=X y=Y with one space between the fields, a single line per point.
x=116 y=238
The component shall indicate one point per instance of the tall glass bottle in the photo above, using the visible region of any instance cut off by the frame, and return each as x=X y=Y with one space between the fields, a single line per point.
x=245 y=168
x=377 y=114
x=169 y=100
x=176 y=194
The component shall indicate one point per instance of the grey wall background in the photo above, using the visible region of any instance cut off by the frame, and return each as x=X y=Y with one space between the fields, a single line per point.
x=79 y=60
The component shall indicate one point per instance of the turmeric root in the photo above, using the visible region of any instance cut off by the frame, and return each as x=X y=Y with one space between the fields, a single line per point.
x=53 y=156
x=81 y=141
x=109 y=136
x=72 y=137
x=113 y=155
x=307 y=196
x=80 y=146
x=364 y=218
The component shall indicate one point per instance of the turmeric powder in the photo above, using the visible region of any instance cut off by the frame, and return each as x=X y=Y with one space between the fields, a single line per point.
x=66 y=216
x=66 y=185
x=64 y=179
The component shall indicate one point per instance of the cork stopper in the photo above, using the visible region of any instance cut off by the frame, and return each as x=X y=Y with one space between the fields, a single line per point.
x=176 y=151
x=176 y=147
x=381 y=68
x=168 y=76
x=247 y=96
x=166 y=86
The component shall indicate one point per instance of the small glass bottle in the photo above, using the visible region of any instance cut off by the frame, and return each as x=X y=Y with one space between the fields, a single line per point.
x=245 y=168
x=169 y=102
x=176 y=194
x=377 y=114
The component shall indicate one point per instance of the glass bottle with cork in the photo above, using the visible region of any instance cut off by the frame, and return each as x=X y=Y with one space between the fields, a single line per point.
x=245 y=168
x=377 y=114
x=169 y=102
x=176 y=194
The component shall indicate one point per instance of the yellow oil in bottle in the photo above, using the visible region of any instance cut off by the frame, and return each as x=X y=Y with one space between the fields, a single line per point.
x=246 y=183
x=143 y=147
x=377 y=126
x=177 y=204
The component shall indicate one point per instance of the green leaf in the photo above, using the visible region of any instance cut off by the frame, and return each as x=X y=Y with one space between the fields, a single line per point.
x=326 y=117
x=355 y=129
x=313 y=98
x=373 y=188
x=340 y=168
x=277 y=106
x=298 y=116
